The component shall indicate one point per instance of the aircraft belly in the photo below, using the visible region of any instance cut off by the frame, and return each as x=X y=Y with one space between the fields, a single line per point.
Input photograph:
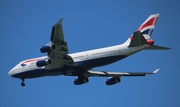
x=38 y=73
x=30 y=74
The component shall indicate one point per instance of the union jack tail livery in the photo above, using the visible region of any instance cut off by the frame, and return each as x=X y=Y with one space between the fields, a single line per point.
x=143 y=34
x=147 y=27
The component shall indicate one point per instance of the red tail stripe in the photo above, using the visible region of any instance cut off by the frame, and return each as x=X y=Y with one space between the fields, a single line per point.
x=150 y=22
x=31 y=60
x=130 y=37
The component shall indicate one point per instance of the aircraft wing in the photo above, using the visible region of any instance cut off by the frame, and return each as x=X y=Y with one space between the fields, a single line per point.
x=117 y=74
x=59 y=56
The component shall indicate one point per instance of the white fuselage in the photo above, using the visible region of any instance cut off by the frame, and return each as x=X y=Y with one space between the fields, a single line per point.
x=84 y=60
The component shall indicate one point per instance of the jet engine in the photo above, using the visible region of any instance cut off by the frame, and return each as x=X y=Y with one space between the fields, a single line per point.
x=79 y=81
x=47 y=48
x=42 y=63
x=113 y=80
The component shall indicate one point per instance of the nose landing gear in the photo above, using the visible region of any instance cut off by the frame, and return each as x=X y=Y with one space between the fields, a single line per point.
x=22 y=83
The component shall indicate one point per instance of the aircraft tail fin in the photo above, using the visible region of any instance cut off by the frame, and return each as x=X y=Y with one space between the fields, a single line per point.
x=138 y=39
x=146 y=27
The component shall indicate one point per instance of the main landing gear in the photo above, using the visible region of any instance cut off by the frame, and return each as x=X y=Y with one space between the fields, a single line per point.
x=22 y=83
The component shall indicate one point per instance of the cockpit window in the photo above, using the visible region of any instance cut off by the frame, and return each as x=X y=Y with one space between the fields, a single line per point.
x=23 y=64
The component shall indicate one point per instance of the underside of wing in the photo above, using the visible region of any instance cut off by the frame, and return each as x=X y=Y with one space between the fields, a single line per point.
x=57 y=32
x=59 y=53
x=117 y=74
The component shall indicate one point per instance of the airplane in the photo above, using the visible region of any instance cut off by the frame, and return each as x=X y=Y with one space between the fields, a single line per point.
x=59 y=62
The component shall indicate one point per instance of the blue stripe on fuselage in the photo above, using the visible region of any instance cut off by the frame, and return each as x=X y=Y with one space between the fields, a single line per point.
x=30 y=74
x=38 y=73
x=88 y=64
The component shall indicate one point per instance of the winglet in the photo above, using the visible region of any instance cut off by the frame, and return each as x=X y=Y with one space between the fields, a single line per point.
x=60 y=21
x=154 y=72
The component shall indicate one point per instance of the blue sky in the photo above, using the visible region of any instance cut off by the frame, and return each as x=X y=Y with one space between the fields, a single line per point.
x=26 y=25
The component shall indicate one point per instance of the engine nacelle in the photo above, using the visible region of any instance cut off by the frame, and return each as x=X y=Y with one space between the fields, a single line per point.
x=79 y=81
x=47 y=48
x=150 y=42
x=42 y=63
x=113 y=80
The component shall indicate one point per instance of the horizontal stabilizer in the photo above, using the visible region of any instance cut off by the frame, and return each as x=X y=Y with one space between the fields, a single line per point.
x=137 y=39
x=155 y=47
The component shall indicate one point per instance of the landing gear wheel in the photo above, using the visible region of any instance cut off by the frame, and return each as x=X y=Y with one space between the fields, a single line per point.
x=23 y=84
x=85 y=80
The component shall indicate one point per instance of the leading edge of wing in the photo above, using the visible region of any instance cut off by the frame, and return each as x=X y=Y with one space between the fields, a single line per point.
x=118 y=74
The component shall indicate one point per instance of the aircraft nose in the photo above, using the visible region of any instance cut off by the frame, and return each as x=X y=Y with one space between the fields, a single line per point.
x=10 y=73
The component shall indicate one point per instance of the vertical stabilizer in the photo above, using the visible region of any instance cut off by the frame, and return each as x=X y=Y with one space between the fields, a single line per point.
x=146 y=27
